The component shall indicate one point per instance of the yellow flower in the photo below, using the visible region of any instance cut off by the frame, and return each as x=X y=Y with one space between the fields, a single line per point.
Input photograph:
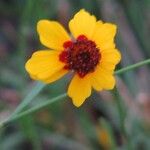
x=89 y=53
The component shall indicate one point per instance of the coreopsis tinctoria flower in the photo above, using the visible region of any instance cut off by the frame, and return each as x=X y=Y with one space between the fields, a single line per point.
x=89 y=53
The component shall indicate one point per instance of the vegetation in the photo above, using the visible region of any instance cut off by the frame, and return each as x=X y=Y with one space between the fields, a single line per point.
x=35 y=116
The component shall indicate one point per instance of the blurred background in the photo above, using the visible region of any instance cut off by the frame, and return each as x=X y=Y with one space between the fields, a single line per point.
x=61 y=126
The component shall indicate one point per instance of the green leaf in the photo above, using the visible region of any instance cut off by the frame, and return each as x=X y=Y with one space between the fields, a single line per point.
x=35 y=108
x=34 y=92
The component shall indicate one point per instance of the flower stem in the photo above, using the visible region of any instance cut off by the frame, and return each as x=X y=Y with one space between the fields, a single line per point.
x=33 y=109
x=36 y=89
x=131 y=67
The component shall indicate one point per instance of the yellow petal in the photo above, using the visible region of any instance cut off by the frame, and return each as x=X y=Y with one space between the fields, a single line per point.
x=33 y=77
x=52 y=34
x=79 y=89
x=104 y=35
x=82 y=24
x=44 y=64
x=103 y=79
x=112 y=56
x=107 y=45
x=108 y=66
x=56 y=76
x=96 y=85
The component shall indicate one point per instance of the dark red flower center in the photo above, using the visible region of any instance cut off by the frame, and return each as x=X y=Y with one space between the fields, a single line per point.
x=82 y=56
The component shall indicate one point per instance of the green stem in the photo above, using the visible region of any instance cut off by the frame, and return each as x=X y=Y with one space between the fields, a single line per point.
x=34 y=109
x=131 y=67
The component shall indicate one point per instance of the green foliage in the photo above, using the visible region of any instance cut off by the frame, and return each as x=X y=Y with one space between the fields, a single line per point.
x=43 y=120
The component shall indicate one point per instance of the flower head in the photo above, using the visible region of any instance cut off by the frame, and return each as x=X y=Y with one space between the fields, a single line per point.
x=90 y=53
